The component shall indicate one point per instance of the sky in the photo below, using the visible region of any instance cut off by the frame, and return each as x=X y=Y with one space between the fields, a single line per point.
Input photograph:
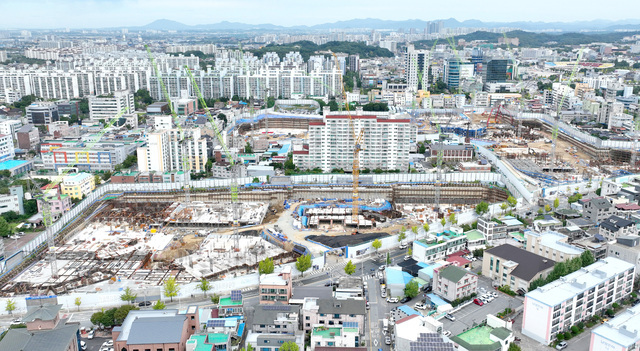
x=117 y=13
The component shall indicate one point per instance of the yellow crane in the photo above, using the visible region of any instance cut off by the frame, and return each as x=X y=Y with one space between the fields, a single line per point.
x=358 y=138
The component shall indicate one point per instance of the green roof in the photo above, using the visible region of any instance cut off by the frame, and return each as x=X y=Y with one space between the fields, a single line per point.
x=217 y=338
x=200 y=340
x=326 y=332
x=501 y=333
x=228 y=302
x=474 y=235
x=452 y=273
x=477 y=339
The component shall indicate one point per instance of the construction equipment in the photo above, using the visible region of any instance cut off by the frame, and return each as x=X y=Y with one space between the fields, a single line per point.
x=184 y=139
x=233 y=186
x=358 y=138
x=495 y=112
x=439 y=160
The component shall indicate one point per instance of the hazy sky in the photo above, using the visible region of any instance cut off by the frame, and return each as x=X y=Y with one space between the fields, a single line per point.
x=115 y=13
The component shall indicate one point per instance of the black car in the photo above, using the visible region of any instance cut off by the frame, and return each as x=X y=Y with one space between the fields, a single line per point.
x=405 y=299
x=144 y=303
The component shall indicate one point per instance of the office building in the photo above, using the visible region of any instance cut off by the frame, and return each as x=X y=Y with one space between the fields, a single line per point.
x=507 y=265
x=78 y=185
x=496 y=71
x=452 y=283
x=386 y=143
x=68 y=108
x=156 y=329
x=455 y=71
x=416 y=68
x=165 y=149
x=7 y=151
x=40 y=113
x=28 y=137
x=557 y=306
x=109 y=106
x=551 y=245
x=621 y=333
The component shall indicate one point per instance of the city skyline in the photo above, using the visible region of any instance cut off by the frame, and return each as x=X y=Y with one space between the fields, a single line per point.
x=132 y=13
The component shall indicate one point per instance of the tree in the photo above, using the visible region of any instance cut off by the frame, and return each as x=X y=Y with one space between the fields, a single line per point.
x=266 y=266
x=248 y=149
x=256 y=180
x=482 y=208
x=303 y=263
x=248 y=348
x=11 y=306
x=350 y=268
x=388 y=259
x=121 y=313
x=540 y=211
x=159 y=305
x=5 y=228
x=452 y=218
x=402 y=235
x=411 y=289
x=128 y=295
x=556 y=203
x=425 y=227
x=204 y=286
x=504 y=206
x=289 y=346
x=96 y=318
x=512 y=201
x=547 y=208
x=215 y=298
x=443 y=221
x=97 y=180
x=171 y=288
x=409 y=252
x=377 y=244
x=78 y=302
x=587 y=258
x=514 y=347
x=106 y=176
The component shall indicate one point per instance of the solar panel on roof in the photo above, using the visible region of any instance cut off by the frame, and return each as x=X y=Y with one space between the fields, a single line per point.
x=236 y=295
x=215 y=323
x=350 y=324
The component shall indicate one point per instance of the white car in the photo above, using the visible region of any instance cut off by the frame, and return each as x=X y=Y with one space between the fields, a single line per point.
x=407 y=257
x=384 y=293
x=83 y=346
x=387 y=340
x=91 y=334
x=446 y=333
x=392 y=300
x=420 y=306
x=107 y=343
x=494 y=294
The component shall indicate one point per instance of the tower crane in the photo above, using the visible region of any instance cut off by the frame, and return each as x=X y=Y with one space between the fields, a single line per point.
x=233 y=186
x=185 y=160
x=358 y=138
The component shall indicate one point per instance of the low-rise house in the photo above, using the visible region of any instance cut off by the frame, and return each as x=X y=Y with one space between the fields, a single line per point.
x=451 y=282
x=597 y=209
x=514 y=267
x=491 y=230
x=276 y=319
x=333 y=312
x=78 y=185
x=496 y=335
x=547 y=222
x=156 y=329
x=209 y=342
x=551 y=245
x=334 y=337
x=275 y=287
x=231 y=305
x=407 y=330
x=273 y=342
x=615 y=226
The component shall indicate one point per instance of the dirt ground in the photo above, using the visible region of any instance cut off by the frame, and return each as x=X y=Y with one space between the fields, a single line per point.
x=181 y=247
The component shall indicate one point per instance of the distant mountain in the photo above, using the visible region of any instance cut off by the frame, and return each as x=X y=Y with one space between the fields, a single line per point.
x=374 y=23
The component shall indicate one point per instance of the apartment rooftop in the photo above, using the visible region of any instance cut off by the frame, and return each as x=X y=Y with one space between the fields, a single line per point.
x=439 y=238
x=555 y=241
x=577 y=282
x=528 y=263
x=275 y=278
x=623 y=329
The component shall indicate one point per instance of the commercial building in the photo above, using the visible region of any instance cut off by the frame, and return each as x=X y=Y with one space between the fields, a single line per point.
x=557 y=306
x=78 y=185
x=28 y=137
x=620 y=333
x=626 y=248
x=101 y=157
x=156 y=329
x=7 y=150
x=276 y=319
x=614 y=226
x=457 y=153
x=107 y=107
x=451 y=282
x=514 y=267
x=40 y=113
x=496 y=71
x=437 y=247
x=386 y=143
x=551 y=245
x=275 y=287
x=334 y=337
x=165 y=149
x=158 y=108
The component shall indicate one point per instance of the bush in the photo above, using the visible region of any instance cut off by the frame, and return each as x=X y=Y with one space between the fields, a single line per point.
x=507 y=290
x=615 y=306
x=580 y=325
x=610 y=313
x=575 y=330
x=560 y=336
x=567 y=335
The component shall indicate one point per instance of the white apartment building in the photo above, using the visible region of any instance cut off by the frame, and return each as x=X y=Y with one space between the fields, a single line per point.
x=551 y=245
x=162 y=122
x=107 y=107
x=7 y=151
x=386 y=142
x=416 y=68
x=334 y=337
x=165 y=149
x=9 y=203
x=622 y=333
x=3 y=56
x=557 y=306
x=9 y=127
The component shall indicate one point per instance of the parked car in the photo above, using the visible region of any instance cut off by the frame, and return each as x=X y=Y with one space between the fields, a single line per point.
x=91 y=334
x=108 y=343
x=447 y=333
x=562 y=345
x=392 y=300
x=403 y=246
x=382 y=267
x=144 y=303
x=387 y=340
x=450 y=317
x=383 y=292
x=83 y=346
x=368 y=306
x=494 y=294
x=478 y=302
x=407 y=257
x=405 y=299
x=420 y=306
